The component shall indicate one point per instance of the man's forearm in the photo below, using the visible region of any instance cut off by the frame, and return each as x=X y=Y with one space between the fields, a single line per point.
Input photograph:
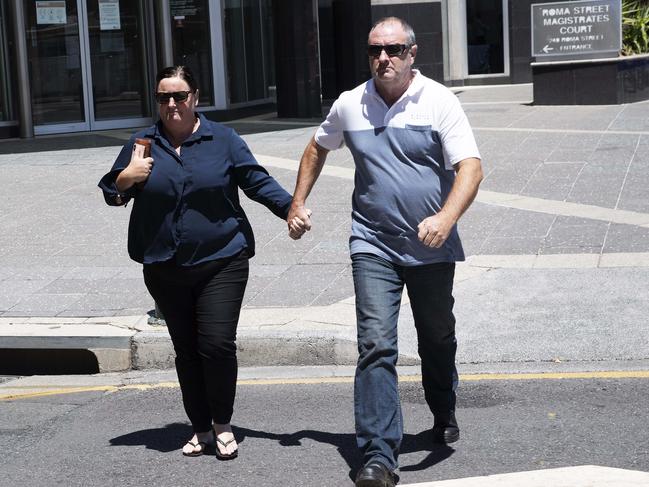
x=465 y=188
x=310 y=167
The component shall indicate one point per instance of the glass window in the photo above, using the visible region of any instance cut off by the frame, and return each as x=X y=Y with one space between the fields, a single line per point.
x=192 y=44
x=484 y=32
x=6 y=105
x=267 y=27
x=249 y=49
x=54 y=57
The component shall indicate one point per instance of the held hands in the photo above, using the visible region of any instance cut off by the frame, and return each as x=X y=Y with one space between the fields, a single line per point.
x=298 y=221
x=434 y=230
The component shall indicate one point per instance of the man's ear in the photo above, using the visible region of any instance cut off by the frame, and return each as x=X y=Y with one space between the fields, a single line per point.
x=196 y=98
x=413 y=51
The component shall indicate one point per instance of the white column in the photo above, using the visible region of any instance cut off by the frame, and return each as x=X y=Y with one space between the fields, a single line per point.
x=164 y=27
x=219 y=64
x=24 y=82
x=457 y=48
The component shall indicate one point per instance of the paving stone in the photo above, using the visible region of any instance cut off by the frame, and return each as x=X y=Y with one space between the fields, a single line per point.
x=585 y=142
x=553 y=181
x=510 y=245
x=43 y=304
x=626 y=238
x=523 y=224
x=575 y=235
x=301 y=286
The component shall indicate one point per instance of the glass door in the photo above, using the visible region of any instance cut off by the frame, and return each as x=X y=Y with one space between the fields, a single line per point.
x=192 y=46
x=88 y=64
x=487 y=40
x=248 y=28
x=6 y=99
x=120 y=84
x=55 y=65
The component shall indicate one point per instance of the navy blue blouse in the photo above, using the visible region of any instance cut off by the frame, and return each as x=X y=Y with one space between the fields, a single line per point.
x=189 y=208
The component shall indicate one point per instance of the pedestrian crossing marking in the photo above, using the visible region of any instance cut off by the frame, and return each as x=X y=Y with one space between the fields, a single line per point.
x=580 y=476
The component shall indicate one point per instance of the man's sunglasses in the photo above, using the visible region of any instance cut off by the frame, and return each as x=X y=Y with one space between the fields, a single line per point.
x=163 y=97
x=374 y=50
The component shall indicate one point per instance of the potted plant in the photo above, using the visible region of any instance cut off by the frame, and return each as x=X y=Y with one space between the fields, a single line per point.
x=635 y=27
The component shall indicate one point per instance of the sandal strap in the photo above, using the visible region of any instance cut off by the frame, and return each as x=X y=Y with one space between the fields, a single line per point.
x=202 y=444
x=224 y=443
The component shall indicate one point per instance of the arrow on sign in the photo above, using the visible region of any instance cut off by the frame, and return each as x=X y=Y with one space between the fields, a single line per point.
x=547 y=48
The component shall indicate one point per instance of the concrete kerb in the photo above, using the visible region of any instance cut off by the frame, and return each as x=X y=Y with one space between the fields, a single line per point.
x=281 y=336
x=128 y=342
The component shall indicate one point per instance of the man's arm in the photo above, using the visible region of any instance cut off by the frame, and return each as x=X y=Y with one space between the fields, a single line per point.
x=310 y=167
x=434 y=230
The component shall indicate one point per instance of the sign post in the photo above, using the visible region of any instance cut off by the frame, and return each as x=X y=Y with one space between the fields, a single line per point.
x=587 y=29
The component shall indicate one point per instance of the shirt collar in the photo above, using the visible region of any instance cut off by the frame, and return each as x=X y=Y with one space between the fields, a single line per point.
x=204 y=130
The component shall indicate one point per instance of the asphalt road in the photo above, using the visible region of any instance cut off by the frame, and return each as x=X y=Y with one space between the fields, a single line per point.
x=301 y=434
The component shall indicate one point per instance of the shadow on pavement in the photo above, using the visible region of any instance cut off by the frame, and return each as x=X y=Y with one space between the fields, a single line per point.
x=62 y=142
x=173 y=436
x=90 y=140
x=424 y=442
x=165 y=439
x=345 y=443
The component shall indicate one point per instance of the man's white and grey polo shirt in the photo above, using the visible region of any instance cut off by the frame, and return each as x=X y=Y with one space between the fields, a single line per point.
x=404 y=156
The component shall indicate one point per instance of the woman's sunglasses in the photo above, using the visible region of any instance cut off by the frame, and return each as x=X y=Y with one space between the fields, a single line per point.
x=163 y=97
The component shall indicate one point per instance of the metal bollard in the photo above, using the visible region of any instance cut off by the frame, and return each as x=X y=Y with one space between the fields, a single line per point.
x=156 y=318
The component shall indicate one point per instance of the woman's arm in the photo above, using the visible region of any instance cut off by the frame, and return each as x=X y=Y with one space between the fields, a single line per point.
x=130 y=168
x=254 y=180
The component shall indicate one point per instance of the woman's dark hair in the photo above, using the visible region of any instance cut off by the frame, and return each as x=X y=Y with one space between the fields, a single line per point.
x=182 y=72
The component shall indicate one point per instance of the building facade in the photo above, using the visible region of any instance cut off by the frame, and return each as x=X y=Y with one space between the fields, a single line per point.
x=85 y=65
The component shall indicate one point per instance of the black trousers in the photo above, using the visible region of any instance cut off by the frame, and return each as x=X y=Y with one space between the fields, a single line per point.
x=201 y=305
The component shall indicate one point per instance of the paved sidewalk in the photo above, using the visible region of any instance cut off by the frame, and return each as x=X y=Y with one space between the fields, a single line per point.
x=557 y=239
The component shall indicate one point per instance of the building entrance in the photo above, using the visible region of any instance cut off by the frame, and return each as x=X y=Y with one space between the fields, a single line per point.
x=88 y=64
x=487 y=40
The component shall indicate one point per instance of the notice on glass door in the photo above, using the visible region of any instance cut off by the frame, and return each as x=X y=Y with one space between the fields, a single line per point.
x=183 y=8
x=109 y=15
x=52 y=12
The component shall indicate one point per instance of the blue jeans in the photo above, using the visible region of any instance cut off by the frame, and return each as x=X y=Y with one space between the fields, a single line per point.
x=378 y=285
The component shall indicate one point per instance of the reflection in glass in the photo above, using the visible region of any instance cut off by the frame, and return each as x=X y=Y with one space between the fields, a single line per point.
x=235 y=49
x=190 y=33
x=249 y=47
x=6 y=112
x=268 y=25
x=117 y=54
x=485 y=36
x=54 y=64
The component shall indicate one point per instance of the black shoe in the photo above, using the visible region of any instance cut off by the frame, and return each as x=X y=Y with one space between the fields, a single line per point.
x=374 y=474
x=445 y=428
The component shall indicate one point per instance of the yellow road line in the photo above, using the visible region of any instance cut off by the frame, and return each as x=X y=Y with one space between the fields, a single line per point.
x=45 y=391
x=604 y=374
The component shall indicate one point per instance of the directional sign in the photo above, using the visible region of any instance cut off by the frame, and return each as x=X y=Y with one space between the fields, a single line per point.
x=584 y=29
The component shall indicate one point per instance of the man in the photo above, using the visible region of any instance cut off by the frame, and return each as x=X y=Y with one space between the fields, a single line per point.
x=417 y=170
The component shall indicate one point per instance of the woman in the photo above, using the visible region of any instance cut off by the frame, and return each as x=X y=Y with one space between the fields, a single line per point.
x=190 y=233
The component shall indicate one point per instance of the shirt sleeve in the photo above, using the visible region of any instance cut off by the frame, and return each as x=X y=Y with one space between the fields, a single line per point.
x=107 y=184
x=254 y=180
x=458 y=142
x=330 y=132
